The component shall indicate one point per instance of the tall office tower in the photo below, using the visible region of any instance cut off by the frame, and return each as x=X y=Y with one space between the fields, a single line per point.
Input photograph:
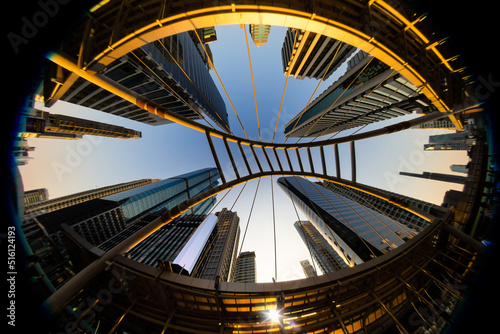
x=308 y=269
x=222 y=252
x=172 y=72
x=438 y=177
x=41 y=124
x=259 y=33
x=443 y=123
x=246 y=268
x=54 y=204
x=459 y=168
x=20 y=151
x=451 y=141
x=165 y=194
x=305 y=54
x=391 y=210
x=35 y=196
x=321 y=250
x=355 y=232
x=369 y=92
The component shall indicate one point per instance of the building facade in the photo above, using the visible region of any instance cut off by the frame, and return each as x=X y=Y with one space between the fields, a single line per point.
x=321 y=251
x=42 y=124
x=305 y=54
x=458 y=141
x=459 y=168
x=200 y=245
x=35 y=196
x=172 y=72
x=259 y=33
x=368 y=92
x=308 y=268
x=443 y=123
x=54 y=204
x=246 y=268
x=438 y=177
x=393 y=211
x=163 y=245
x=355 y=232
x=222 y=251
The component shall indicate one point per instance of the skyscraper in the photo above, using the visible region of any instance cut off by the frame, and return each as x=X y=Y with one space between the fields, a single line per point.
x=355 y=232
x=308 y=269
x=443 y=123
x=459 y=168
x=450 y=141
x=438 y=177
x=305 y=54
x=164 y=194
x=368 y=92
x=20 y=150
x=321 y=250
x=259 y=33
x=391 y=210
x=35 y=196
x=198 y=245
x=49 y=205
x=220 y=260
x=165 y=244
x=246 y=268
x=172 y=72
x=42 y=124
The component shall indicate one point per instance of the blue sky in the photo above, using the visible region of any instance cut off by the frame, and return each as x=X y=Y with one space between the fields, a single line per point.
x=65 y=166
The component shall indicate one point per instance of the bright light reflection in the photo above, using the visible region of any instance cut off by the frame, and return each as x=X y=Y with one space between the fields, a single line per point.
x=274 y=315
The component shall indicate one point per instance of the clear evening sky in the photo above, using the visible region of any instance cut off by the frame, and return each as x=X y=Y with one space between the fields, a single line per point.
x=67 y=166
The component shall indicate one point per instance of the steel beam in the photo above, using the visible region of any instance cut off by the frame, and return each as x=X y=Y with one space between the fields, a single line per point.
x=244 y=157
x=323 y=162
x=337 y=159
x=228 y=150
x=216 y=159
x=311 y=165
x=277 y=159
x=353 y=162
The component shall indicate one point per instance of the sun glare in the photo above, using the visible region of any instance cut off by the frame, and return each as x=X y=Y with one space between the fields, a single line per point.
x=274 y=315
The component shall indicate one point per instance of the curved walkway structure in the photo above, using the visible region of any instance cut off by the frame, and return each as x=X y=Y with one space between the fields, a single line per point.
x=117 y=27
x=418 y=284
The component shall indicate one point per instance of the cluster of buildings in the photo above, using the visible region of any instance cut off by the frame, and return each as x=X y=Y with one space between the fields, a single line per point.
x=346 y=227
x=199 y=243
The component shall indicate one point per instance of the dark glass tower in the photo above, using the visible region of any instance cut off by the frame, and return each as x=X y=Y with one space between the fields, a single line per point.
x=355 y=232
x=172 y=72
x=391 y=210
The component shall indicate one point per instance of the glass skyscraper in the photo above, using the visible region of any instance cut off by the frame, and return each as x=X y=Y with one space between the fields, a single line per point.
x=391 y=210
x=321 y=251
x=166 y=194
x=369 y=91
x=355 y=232
x=172 y=72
